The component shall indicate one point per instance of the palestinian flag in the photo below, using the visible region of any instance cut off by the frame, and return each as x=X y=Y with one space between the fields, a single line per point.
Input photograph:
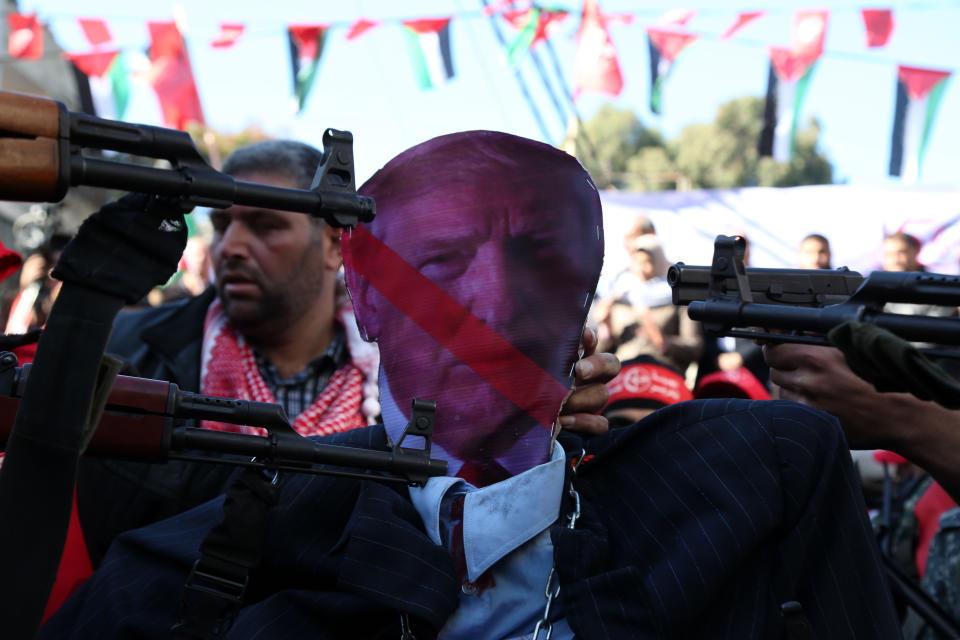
x=533 y=26
x=787 y=84
x=103 y=80
x=306 y=46
x=918 y=97
x=665 y=46
x=428 y=42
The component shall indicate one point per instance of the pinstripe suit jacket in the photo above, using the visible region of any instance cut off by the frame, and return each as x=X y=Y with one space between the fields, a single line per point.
x=696 y=522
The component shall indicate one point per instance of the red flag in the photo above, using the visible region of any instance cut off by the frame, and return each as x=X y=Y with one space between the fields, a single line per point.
x=26 y=36
x=230 y=32
x=172 y=76
x=809 y=32
x=93 y=64
x=879 y=25
x=788 y=64
x=743 y=18
x=360 y=27
x=595 y=66
x=95 y=30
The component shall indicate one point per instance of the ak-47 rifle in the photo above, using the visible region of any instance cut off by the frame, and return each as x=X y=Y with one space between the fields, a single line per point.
x=150 y=421
x=732 y=300
x=805 y=305
x=41 y=153
x=41 y=156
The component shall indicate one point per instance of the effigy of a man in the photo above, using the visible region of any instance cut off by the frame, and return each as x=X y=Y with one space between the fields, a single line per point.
x=475 y=279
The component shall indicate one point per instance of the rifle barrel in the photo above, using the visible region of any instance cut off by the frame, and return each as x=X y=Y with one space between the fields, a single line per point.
x=731 y=313
x=214 y=189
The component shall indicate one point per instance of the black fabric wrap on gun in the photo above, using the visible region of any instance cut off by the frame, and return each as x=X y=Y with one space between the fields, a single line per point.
x=891 y=363
x=138 y=229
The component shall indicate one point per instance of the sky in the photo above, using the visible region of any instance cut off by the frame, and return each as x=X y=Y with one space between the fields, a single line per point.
x=367 y=85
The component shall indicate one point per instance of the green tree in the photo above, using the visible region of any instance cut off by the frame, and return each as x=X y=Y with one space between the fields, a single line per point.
x=615 y=135
x=720 y=155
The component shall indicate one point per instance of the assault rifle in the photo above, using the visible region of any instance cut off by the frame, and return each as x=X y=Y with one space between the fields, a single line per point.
x=41 y=153
x=150 y=421
x=732 y=300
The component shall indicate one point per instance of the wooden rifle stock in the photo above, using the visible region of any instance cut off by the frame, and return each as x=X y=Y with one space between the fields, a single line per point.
x=34 y=161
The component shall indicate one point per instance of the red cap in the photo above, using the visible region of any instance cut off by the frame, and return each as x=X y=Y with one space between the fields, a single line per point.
x=737 y=383
x=644 y=383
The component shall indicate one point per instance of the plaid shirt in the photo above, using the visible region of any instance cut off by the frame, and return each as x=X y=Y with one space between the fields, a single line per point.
x=298 y=392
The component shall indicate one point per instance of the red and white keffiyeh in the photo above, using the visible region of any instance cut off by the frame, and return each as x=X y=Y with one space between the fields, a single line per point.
x=229 y=369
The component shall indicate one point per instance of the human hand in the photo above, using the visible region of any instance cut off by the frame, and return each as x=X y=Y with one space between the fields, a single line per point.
x=601 y=310
x=819 y=377
x=34 y=268
x=729 y=361
x=127 y=247
x=652 y=331
x=580 y=412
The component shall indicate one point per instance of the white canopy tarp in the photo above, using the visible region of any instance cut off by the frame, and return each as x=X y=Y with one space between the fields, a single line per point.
x=855 y=219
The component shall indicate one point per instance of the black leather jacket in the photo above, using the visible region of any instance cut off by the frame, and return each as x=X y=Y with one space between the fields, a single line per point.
x=163 y=343
x=114 y=496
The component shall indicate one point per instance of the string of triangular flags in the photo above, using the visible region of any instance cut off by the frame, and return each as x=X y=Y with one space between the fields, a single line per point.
x=596 y=66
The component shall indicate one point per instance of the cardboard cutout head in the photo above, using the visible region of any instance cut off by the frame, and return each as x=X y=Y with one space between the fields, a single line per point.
x=475 y=279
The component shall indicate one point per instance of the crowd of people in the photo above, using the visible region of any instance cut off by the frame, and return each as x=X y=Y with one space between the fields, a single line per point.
x=600 y=446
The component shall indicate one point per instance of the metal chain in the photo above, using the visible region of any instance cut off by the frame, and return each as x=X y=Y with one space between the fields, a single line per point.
x=405 y=632
x=553 y=581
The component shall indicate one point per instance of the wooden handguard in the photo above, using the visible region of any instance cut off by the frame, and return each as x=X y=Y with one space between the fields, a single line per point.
x=34 y=153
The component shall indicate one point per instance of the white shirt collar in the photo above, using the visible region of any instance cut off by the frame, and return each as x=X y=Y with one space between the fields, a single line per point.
x=499 y=518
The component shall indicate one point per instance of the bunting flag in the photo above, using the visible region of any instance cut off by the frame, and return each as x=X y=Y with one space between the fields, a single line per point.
x=879 y=26
x=172 y=76
x=533 y=26
x=360 y=27
x=229 y=33
x=595 y=65
x=26 y=36
x=665 y=46
x=787 y=84
x=428 y=42
x=743 y=18
x=95 y=31
x=918 y=97
x=809 y=32
x=306 y=46
x=108 y=78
